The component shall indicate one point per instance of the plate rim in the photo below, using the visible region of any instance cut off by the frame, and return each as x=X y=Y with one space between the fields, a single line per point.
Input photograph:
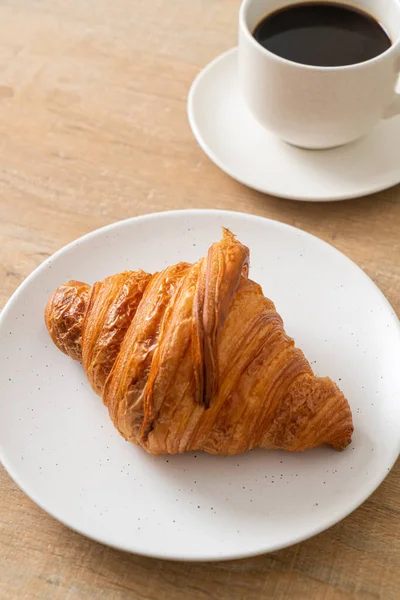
x=176 y=556
x=380 y=187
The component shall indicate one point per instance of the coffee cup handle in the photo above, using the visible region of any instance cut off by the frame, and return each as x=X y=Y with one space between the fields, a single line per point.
x=394 y=108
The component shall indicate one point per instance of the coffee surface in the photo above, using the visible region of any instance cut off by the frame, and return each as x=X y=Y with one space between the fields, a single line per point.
x=322 y=34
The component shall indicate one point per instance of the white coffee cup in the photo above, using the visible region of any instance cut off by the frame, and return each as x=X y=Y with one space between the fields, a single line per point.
x=319 y=107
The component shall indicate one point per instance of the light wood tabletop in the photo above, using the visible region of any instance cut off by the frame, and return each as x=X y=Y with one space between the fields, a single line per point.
x=93 y=129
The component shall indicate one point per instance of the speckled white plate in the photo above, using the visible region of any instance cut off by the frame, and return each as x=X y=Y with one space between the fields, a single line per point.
x=58 y=444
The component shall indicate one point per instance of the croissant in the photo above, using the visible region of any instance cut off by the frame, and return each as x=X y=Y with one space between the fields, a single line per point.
x=196 y=358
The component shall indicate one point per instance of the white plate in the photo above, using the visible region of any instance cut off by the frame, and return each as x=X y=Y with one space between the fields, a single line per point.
x=237 y=144
x=59 y=445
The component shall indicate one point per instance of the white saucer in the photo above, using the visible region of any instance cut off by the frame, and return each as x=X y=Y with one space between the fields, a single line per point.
x=237 y=144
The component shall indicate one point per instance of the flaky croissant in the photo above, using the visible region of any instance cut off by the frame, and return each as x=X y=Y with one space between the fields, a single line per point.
x=196 y=358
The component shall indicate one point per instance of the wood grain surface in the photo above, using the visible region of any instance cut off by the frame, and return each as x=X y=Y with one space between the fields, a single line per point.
x=93 y=129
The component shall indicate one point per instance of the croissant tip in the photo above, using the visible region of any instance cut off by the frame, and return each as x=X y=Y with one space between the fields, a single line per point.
x=227 y=234
x=344 y=438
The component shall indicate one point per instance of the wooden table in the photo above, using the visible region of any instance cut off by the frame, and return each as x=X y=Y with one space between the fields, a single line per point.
x=93 y=129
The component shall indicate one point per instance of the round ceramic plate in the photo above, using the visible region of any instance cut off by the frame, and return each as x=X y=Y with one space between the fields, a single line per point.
x=240 y=146
x=61 y=448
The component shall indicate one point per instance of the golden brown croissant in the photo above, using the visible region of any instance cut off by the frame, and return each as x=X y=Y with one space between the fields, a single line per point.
x=196 y=358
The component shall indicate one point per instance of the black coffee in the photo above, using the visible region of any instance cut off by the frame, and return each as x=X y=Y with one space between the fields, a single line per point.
x=322 y=34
